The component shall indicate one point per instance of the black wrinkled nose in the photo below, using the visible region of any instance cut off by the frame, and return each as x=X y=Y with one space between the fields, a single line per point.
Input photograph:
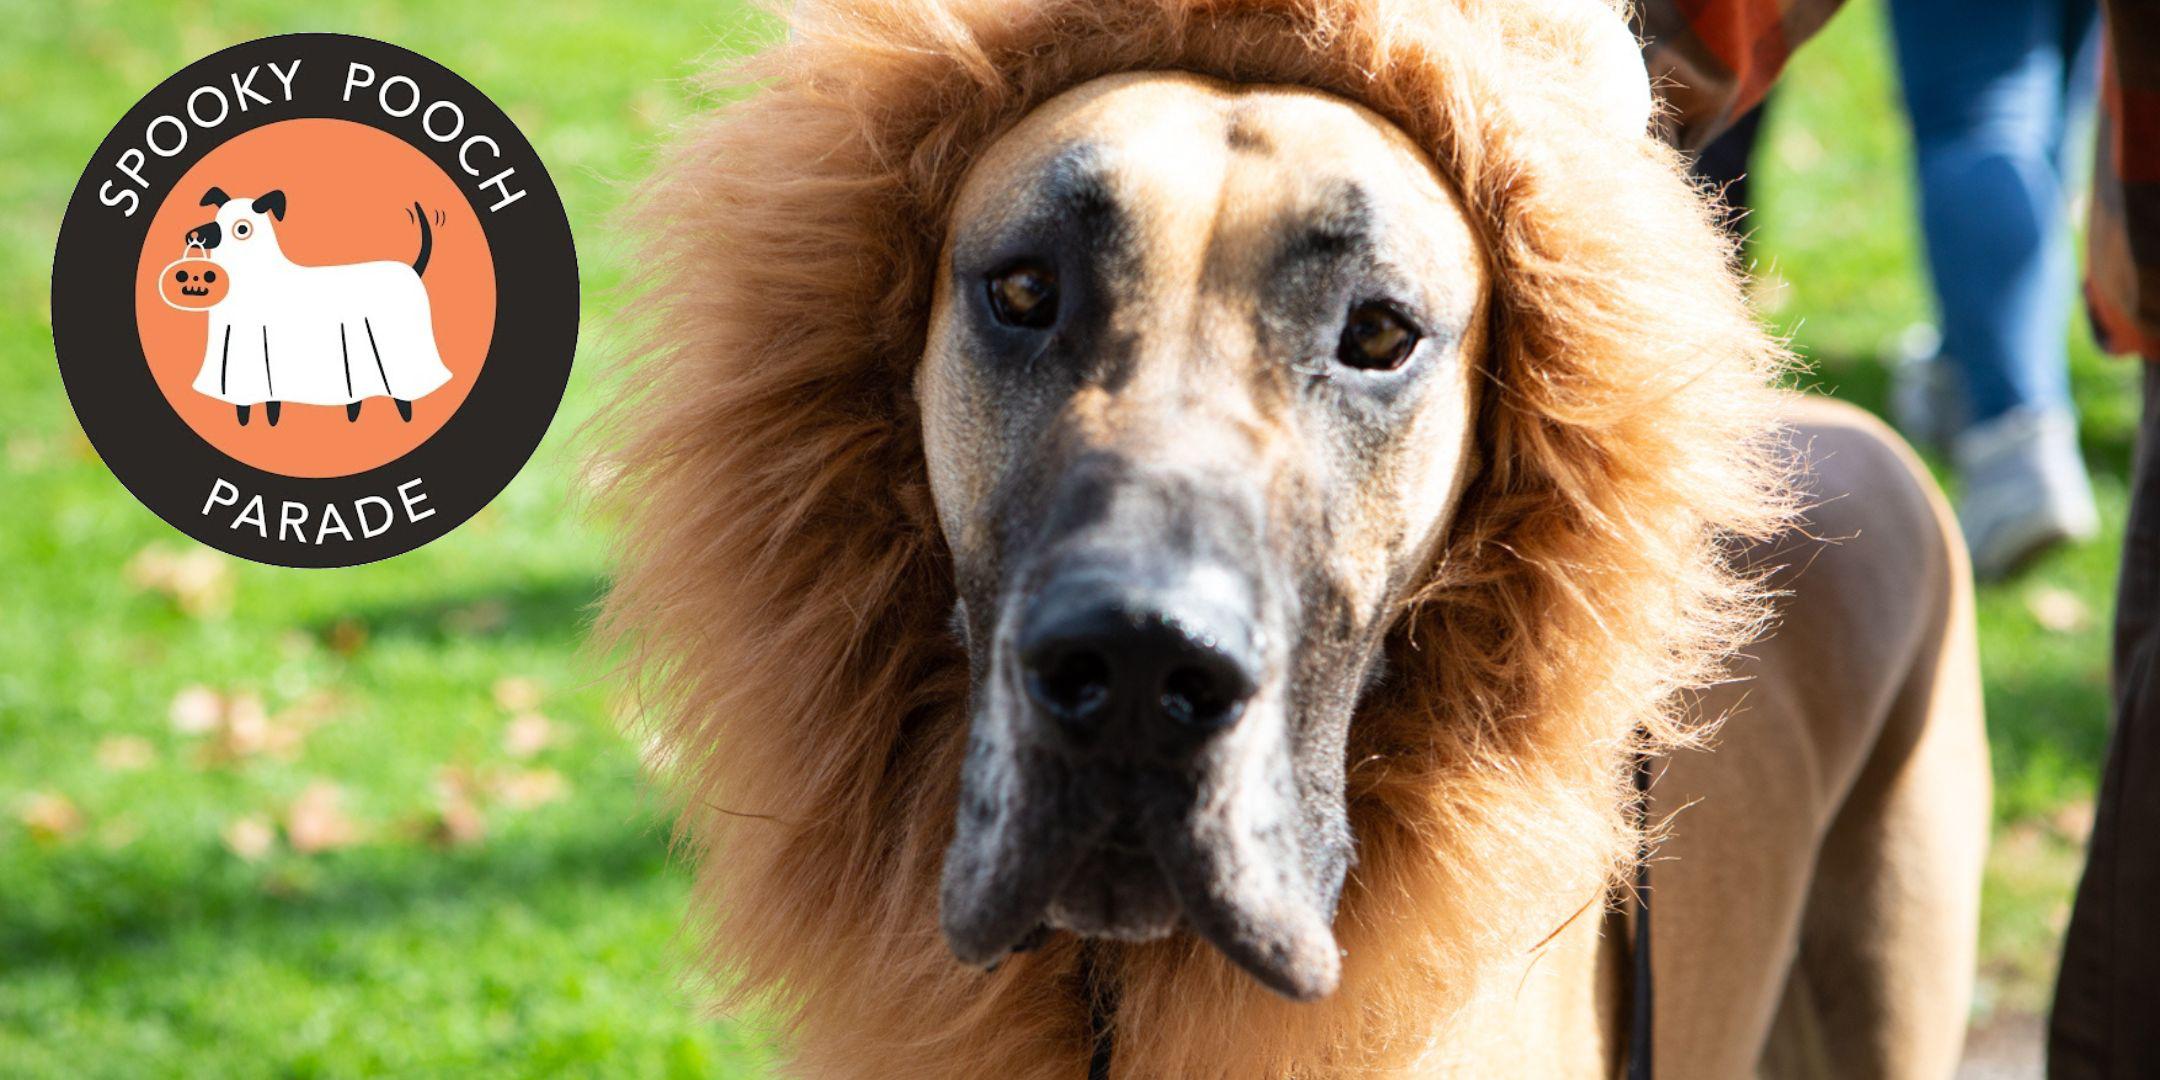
x=205 y=235
x=1141 y=669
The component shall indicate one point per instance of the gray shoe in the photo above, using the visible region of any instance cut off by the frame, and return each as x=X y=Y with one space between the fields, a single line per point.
x=2025 y=489
x=1926 y=403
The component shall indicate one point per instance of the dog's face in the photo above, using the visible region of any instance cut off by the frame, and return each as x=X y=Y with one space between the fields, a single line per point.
x=242 y=226
x=1197 y=402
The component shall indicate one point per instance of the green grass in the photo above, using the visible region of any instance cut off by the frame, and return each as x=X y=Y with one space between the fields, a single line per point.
x=134 y=939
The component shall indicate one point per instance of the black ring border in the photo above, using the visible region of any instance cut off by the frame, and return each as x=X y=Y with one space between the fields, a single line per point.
x=466 y=464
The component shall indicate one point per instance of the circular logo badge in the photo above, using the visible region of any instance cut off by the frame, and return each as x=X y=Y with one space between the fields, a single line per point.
x=315 y=300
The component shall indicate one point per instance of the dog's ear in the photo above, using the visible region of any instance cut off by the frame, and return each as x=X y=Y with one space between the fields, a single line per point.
x=272 y=202
x=215 y=197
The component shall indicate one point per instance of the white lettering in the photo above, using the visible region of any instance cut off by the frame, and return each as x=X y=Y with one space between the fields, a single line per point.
x=360 y=509
x=508 y=196
x=412 y=501
x=224 y=108
x=243 y=89
x=457 y=115
x=382 y=97
x=150 y=136
x=105 y=195
x=355 y=80
x=293 y=516
x=285 y=77
x=222 y=493
x=331 y=521
x=252 y=514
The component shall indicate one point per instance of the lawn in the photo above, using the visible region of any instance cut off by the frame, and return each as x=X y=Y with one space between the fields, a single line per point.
x=262 y=821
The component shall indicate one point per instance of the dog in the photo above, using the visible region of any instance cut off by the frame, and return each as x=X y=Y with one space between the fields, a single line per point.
x=319 y=335
x=1171 y=524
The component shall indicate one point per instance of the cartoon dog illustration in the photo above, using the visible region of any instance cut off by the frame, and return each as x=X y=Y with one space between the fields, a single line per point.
x=318 y=335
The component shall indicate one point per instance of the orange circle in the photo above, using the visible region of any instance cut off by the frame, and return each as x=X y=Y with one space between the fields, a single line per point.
x=349 y=191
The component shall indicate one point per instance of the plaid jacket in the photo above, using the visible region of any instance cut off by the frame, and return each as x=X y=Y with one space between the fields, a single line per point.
x=1714 y=59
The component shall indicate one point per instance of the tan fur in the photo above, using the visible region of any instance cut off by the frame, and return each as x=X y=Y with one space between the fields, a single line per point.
x=784 y=589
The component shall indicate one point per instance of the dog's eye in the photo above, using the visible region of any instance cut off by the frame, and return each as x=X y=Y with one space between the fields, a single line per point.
x=1377 y=338
x=1024 y=294
x=241 y=230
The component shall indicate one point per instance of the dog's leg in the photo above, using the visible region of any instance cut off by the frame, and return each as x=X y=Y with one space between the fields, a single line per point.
x=242 y=410
x=1887 y=945
x=1817 y=897
x=352 y=412
x=270 y=411
x=404 y=409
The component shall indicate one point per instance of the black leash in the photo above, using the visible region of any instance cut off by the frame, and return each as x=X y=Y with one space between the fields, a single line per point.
x=1101 y=1004
x=1642 y=997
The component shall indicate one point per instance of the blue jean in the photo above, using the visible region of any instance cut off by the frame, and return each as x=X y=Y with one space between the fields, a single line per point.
x=1994 y=88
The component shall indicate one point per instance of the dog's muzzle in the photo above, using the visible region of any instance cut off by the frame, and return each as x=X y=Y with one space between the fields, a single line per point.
x=1130 y=765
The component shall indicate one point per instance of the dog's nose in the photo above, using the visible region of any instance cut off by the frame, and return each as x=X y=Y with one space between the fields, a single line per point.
x=1124 y=666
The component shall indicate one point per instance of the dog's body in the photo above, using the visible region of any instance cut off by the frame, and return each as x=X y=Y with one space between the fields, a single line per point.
x=317 y=335
x=1275 y=525
x=1816 y=896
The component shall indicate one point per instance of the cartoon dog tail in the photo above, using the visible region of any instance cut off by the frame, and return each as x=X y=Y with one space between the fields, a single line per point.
x=427 y=241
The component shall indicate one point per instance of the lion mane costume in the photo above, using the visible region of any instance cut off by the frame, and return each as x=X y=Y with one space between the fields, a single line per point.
x=784 y=594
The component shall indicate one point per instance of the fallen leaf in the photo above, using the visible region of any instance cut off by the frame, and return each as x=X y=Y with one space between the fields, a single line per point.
x=50 y=817
x=527 y=735
x=517 y=693
x=316 y=821
x=525 y=789
x=239 y=727
x=478 y=619
x=311 y=710
x=196 y=710
x=2073 y=821
x=118 y=833
x=458 y=820
x=250 y=837
x=2057 y=610
x=125 y=753
x=346 y=637
x=197 y=580
x=26 y=452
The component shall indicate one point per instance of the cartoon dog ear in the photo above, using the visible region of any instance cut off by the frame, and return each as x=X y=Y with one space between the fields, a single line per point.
x=215 y=197
x=271 y=202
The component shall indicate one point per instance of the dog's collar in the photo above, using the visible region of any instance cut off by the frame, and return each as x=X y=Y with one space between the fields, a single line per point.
x=1641 y=997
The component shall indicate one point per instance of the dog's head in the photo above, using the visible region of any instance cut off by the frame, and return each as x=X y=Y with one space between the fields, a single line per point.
x=1196 y=403
x=1066 y=495
x=243 y=226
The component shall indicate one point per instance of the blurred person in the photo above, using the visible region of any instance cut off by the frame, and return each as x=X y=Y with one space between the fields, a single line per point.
x=1994 y=90
x=1714 y=60
x=1726 y=165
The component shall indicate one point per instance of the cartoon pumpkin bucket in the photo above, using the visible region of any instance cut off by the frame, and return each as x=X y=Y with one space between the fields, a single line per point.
x=193 y=282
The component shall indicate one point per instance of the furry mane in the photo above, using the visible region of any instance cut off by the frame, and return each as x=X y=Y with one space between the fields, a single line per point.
x=783 y=590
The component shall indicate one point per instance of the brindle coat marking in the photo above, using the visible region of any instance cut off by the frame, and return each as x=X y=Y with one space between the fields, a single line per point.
x=1187 y=415
x=1427 y=609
